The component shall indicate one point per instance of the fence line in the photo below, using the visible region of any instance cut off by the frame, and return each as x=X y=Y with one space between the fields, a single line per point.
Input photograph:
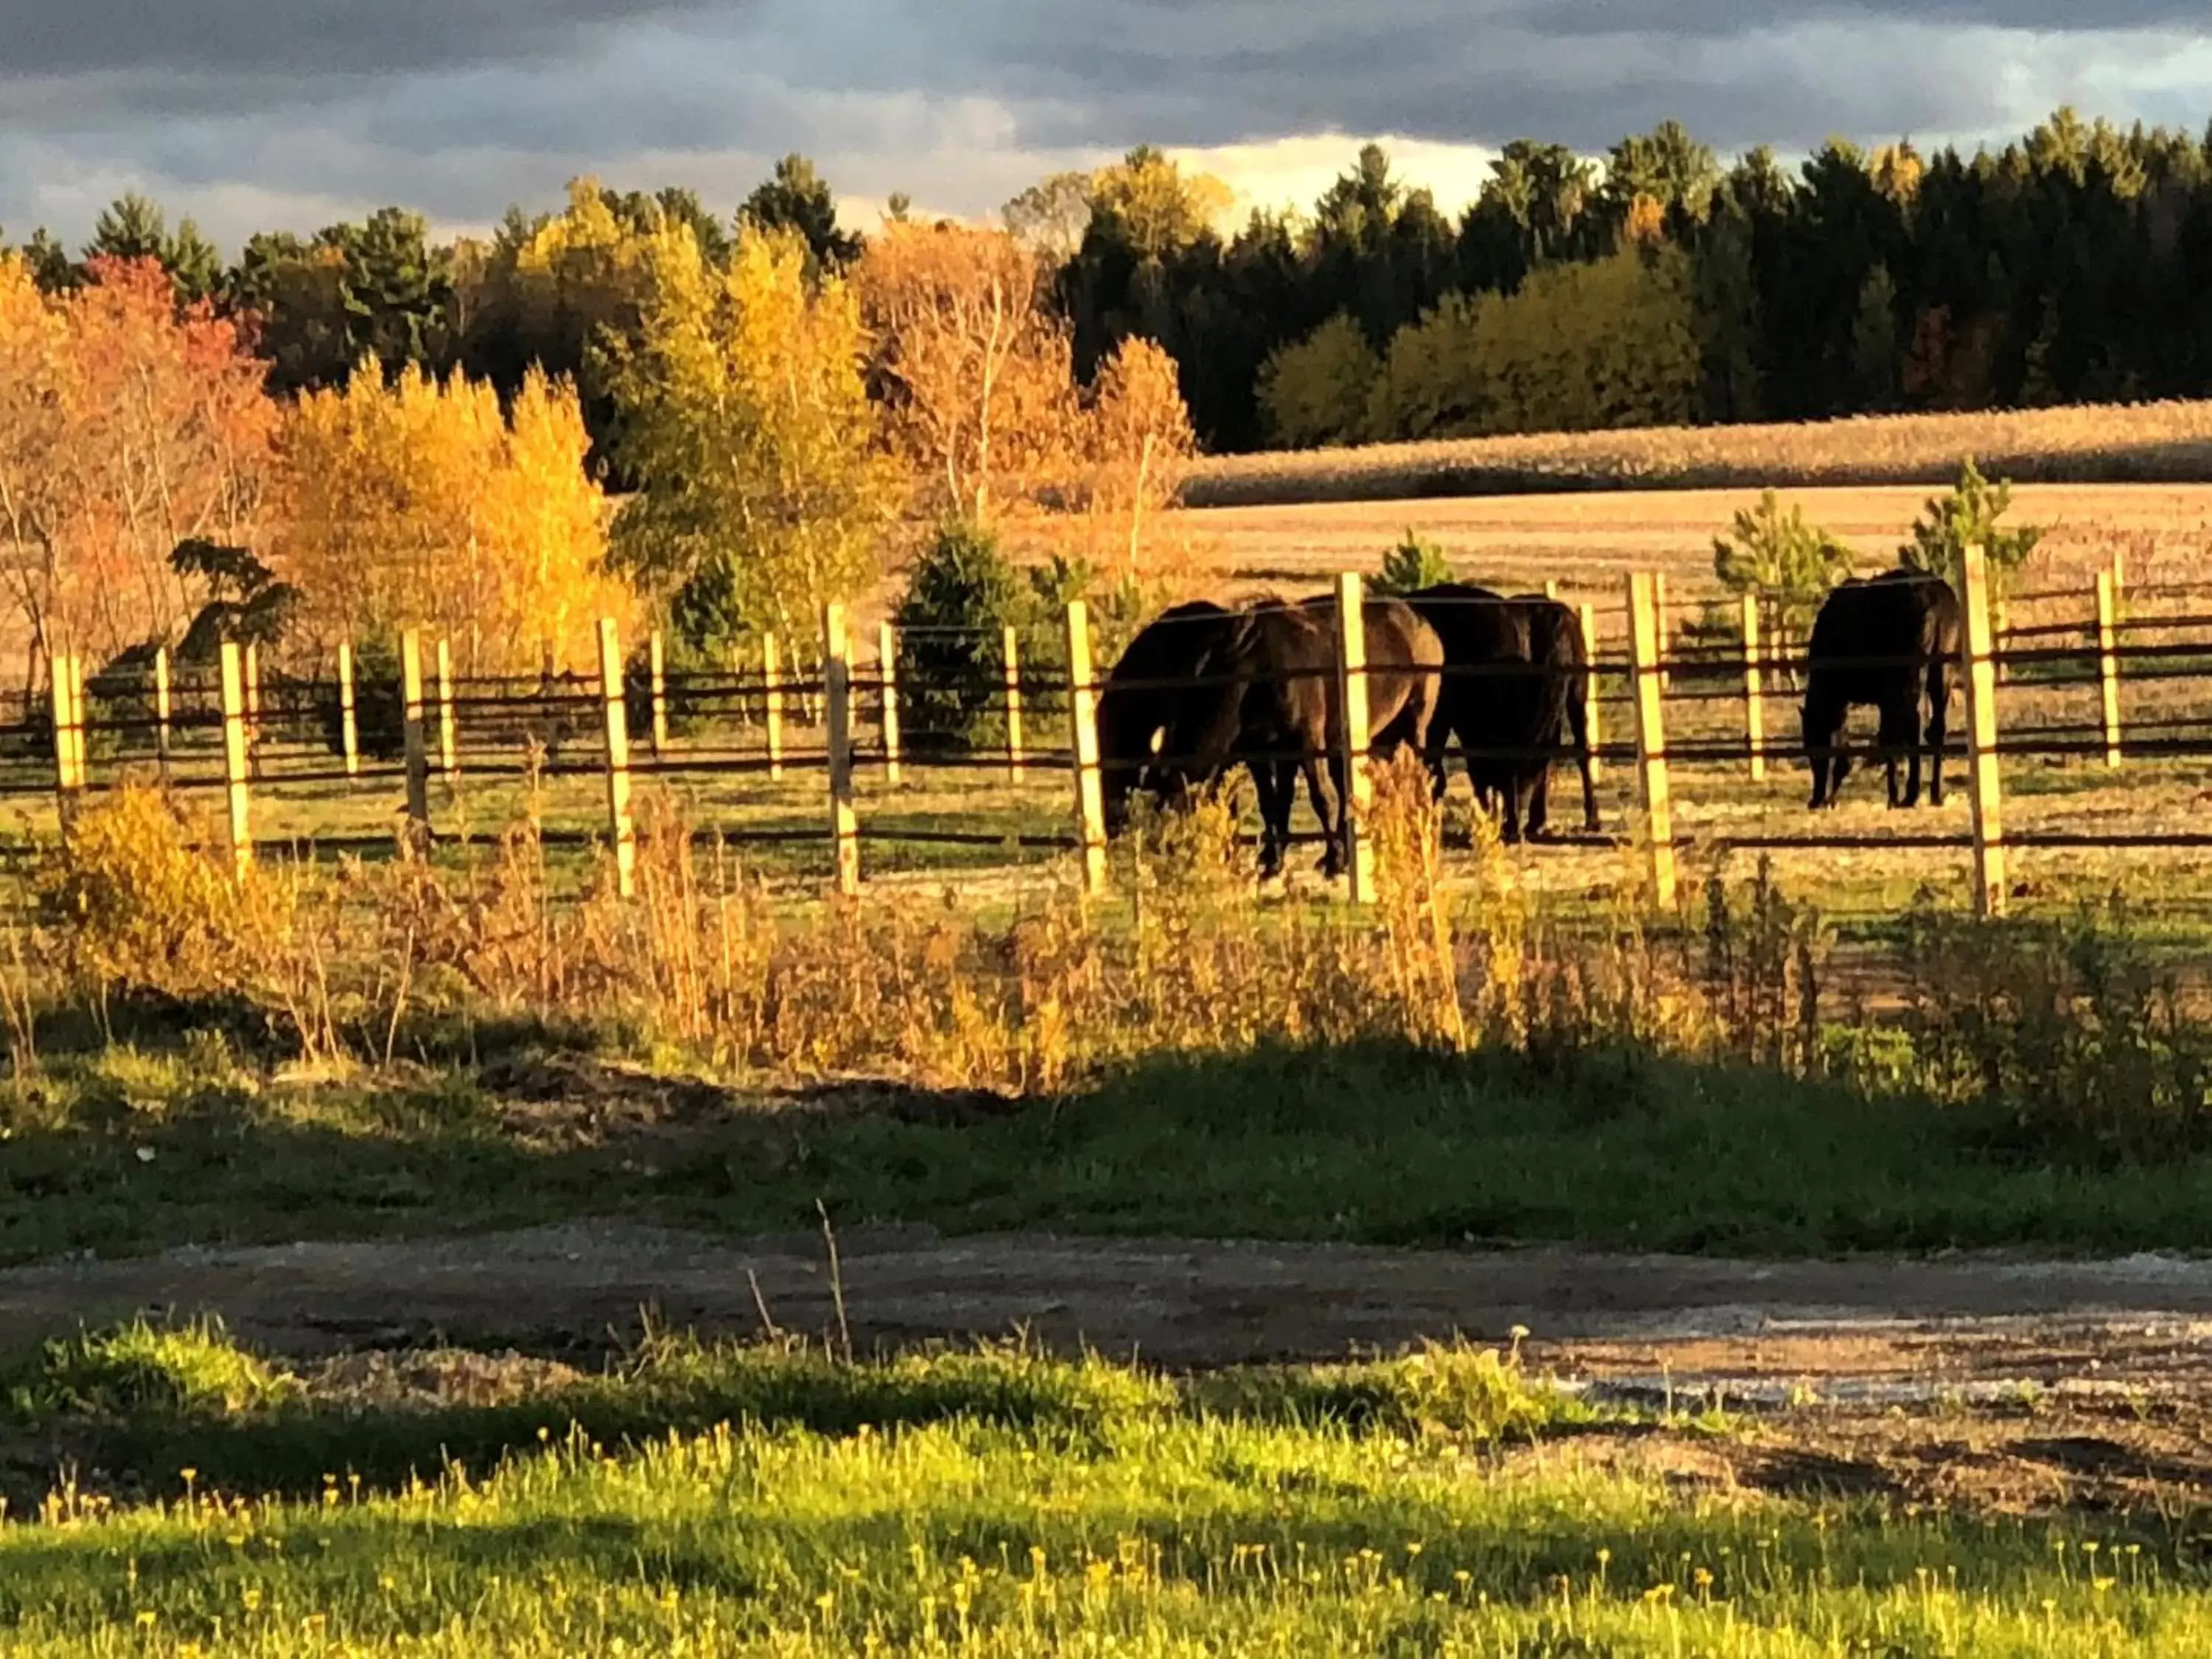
x=261 y=744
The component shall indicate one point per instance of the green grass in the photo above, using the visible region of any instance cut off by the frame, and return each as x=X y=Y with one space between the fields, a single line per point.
x=1380 y=1144
x=1004 y=1503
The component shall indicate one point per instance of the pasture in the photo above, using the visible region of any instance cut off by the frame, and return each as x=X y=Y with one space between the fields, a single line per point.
x=436 y=1123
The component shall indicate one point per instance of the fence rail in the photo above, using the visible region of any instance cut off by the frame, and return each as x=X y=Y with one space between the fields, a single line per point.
x=249 y=734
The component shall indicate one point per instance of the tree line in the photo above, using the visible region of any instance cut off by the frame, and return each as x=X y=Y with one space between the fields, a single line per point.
x=1656 y=285
x=737 y=427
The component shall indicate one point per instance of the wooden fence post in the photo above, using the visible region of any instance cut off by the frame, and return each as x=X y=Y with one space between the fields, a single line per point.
x=1664 y=623
x=417 y=744
x=348 y=722
x=614 y=713
x=1590 y=703
x=2108 y=662
x=161 y=707
x=772 y=705
x=253 y=708
x=657 y=662
x=1011 y=651
x=2119 y=573
x=237 y=756
x=1754 y=690
x=837 y=688
x=887 y=671
x=1552 y=588
x=1644 y=657
x=1357 y=794
x=1090 y=782
x=448 y=749
x=1983 y=791
x=61 y=695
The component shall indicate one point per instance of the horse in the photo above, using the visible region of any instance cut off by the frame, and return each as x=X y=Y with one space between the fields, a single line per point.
x=1881 y=641
x=1548 y=709
x=1142 y=694
x=1270 y=702
x=1521 y=682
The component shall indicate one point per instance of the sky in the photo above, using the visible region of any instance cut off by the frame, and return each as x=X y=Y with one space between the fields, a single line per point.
x=255 y=114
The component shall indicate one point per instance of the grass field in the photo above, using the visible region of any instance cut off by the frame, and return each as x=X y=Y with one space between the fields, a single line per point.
x=2123 y=444
x=712 y=1501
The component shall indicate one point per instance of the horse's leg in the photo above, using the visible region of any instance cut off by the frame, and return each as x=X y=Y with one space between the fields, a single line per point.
x=1939 y=717
x=1822 y=725
x=1271 y=782
x=1540 y=800
x=1322 y=776
x=1892 y=737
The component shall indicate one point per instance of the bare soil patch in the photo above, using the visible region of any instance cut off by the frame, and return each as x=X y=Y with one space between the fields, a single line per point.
x=1744 y=1327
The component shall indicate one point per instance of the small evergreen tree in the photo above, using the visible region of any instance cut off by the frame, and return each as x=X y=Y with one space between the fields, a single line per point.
x=1788 y=562
x=1967 y=517
x=951 y=624
x=1414 y=563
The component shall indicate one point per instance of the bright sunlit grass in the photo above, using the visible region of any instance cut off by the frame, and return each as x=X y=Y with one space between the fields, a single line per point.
x=1005 y=1504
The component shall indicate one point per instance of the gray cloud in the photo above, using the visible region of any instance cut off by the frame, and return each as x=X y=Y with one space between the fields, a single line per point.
x=315 y=38
x=295 y=111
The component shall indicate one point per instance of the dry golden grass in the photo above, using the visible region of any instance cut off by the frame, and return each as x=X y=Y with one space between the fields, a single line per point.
x=1589 y=541
x=2140 y=443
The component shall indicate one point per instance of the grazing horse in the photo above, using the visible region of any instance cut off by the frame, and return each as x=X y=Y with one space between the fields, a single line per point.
x=1142 y=694
x=1272 y=704
x=1554 y=705
x=1882 y=641
x=1523 y=679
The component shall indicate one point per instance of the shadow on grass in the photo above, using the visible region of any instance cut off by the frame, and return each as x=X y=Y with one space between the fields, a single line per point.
x=1377 y=1143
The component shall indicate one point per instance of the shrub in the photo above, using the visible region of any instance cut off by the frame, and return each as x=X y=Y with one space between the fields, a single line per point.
x=1415 y=562
x=135 y=904
x=1949 y=525
x=961 y=597
x=1786 y=562
x=687 y=706
x=380 y=703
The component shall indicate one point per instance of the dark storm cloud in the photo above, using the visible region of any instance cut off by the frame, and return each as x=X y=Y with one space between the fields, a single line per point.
x=234 y=38
x=462 y=106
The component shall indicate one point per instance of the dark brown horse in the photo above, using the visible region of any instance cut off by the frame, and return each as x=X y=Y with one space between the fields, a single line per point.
x=1517 y=683
x=1269 y=700
x=1145 y=691
x=1890 y=640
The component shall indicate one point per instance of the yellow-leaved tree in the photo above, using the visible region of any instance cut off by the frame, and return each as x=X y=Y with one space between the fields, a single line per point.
x=417 y=503
x=976 y=370
x=745 y=420
x=1137 y=444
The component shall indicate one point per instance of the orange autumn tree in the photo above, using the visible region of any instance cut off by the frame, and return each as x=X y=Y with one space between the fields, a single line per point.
x=976 y=369
x=419 y=504
x=128 y=423
x=973 y=366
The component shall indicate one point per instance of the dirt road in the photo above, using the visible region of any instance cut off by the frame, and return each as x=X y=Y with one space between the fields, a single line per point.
x=1965 y=1323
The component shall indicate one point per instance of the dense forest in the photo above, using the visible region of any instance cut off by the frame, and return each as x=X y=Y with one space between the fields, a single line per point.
x=1656 y=285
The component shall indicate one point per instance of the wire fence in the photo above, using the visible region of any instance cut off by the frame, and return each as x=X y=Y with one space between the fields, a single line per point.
x=786 y=750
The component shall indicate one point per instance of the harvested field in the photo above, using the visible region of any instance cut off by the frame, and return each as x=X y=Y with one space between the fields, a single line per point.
x=1587 y=542
x=2112 y=444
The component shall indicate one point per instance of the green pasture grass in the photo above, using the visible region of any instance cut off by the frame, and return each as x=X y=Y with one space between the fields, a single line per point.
x=735 y=1502
x=136 y=1149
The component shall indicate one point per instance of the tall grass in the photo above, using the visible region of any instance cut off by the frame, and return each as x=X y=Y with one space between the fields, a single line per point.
x=2068 y=1039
